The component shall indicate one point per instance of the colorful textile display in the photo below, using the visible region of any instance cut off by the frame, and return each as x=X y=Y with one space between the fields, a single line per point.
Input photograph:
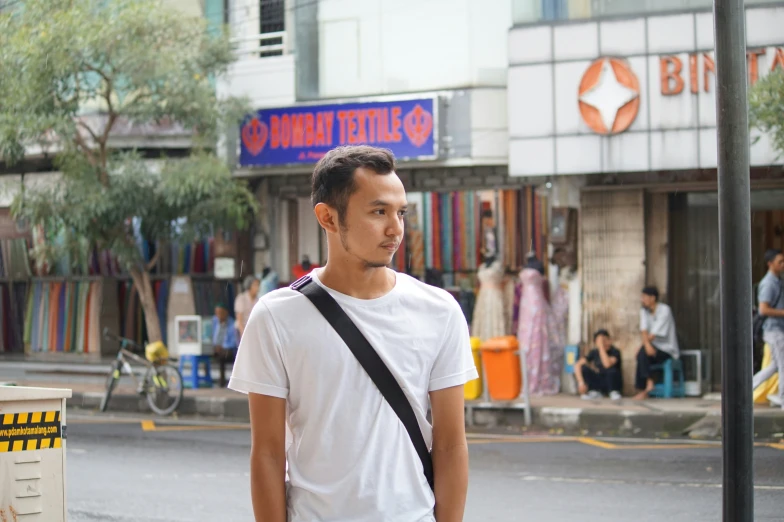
x=524 y=229
x=207 y=294
x=63 y=316
x=447 y=239
x=13 y=297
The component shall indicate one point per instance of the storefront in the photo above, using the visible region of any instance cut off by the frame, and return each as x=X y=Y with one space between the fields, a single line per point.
x=628 y=107
x=451 y=152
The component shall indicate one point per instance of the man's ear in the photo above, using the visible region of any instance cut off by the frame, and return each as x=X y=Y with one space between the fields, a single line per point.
x=327 y=217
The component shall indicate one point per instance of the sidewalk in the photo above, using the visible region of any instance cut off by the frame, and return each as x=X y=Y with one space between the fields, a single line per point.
x=560 y=414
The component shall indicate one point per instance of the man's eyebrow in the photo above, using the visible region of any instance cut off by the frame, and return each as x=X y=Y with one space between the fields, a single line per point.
x=382 y=203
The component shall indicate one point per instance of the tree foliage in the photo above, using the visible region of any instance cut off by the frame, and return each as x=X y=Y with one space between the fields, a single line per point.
x=766 y=108
x=74 y=71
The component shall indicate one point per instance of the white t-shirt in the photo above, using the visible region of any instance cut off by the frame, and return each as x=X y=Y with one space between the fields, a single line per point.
x=351 y=459
x=662 y=325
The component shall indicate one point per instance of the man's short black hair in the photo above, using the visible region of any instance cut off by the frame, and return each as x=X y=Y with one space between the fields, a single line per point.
x=333 y=177
x=770 y=255
x=651 y=291
x=600 y=332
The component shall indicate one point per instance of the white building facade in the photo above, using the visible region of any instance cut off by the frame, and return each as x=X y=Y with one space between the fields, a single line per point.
x=322 y=74
x=614 y=103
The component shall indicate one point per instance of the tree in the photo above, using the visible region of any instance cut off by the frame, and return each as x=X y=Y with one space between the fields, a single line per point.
x=73 y=72
x=766 y=107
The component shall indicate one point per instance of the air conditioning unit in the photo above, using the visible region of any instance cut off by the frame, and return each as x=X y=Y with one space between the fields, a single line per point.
x=694 y=373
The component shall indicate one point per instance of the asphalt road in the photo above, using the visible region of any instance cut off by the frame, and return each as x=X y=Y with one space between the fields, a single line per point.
x=125 y=470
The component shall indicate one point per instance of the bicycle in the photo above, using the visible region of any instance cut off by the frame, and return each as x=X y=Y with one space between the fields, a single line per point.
x=162 y=382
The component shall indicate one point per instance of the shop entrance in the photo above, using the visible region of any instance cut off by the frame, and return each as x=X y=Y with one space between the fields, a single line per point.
x=694 y=291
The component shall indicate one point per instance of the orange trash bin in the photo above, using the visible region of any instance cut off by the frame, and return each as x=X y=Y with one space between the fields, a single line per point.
x=502 y=367
x=473 y=389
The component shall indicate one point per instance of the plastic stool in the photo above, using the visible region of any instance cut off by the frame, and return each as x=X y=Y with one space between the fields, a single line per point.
x=669 y=388
x=194 y=379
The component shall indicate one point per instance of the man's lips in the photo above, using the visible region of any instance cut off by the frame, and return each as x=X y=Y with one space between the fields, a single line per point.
x=390 y=246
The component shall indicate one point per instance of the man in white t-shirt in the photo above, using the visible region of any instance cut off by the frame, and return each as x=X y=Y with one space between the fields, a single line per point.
x=659 y=339
x=350 y=458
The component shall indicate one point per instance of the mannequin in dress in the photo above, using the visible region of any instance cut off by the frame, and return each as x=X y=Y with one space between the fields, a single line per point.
x=489 y=313
x=538 y=336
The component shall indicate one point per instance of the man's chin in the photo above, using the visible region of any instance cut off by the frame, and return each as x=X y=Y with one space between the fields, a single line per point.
x=378 y=263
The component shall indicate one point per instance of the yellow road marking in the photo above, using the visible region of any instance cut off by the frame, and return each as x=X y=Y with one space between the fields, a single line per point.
x=776 y=446
x=149 y=425
x=598 y=443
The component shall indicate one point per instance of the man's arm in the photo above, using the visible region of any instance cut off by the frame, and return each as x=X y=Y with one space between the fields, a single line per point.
x=608 y=361
x=768 y=311
x=450 y=453
x=578 y=374
x=646 y=342
x=268 y=457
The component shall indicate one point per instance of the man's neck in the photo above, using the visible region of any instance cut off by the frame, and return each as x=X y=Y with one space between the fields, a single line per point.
x=358 y=282
x=653 y=307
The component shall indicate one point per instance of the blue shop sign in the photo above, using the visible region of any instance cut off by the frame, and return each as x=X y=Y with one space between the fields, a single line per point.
x=304 y=134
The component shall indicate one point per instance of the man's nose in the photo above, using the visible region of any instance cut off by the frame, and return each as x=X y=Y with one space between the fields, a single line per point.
x=396 y=227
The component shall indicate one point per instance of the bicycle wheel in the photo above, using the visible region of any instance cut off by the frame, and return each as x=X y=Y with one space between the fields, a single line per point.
x=111 y=382
x=164 y=388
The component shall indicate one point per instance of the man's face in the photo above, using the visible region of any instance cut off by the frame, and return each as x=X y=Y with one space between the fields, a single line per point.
x=603 y=342
x=221 y=313
x=372 y=227
x=777 y=265
x=648 y=301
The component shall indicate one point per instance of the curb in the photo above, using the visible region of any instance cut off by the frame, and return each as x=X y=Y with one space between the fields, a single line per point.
x=767 y=425
x=214 y=407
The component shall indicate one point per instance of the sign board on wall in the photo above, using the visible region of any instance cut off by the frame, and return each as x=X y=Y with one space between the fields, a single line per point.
x=609 y=91
x=304 y=134
x=627 y=95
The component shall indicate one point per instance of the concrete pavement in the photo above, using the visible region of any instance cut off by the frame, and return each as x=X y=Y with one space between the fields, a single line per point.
x=560 y=414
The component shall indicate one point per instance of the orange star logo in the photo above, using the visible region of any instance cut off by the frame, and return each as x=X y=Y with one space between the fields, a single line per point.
x=609 y=96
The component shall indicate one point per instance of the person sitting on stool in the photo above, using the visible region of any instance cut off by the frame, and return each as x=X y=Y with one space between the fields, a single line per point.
x=600 y=371
x=659 y=339
x=224 y=339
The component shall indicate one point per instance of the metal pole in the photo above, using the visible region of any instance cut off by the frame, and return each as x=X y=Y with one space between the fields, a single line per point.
x=735 y=265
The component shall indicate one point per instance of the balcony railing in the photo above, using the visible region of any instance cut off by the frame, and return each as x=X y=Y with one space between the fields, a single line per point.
x=532 y=11
x=261 y=45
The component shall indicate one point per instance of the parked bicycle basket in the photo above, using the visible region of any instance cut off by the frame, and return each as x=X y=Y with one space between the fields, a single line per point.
x=156 y=352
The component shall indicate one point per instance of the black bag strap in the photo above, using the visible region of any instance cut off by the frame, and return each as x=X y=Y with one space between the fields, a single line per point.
x=372 y=363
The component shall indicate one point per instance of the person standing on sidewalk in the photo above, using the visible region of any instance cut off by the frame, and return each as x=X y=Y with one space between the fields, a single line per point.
x=351 y=457
x=771 y=306
x=659 y=339
x=224 y=339
x=245 y=302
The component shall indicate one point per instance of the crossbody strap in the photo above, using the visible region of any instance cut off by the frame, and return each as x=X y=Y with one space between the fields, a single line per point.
x=372 y=363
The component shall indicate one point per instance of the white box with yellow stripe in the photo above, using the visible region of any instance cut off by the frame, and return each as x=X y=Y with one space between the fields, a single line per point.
x=32 y=454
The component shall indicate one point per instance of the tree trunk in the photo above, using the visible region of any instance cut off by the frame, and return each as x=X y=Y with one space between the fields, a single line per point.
x=141 y=280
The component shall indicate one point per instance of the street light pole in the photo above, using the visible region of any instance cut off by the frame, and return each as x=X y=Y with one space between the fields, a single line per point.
x=735 y=265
